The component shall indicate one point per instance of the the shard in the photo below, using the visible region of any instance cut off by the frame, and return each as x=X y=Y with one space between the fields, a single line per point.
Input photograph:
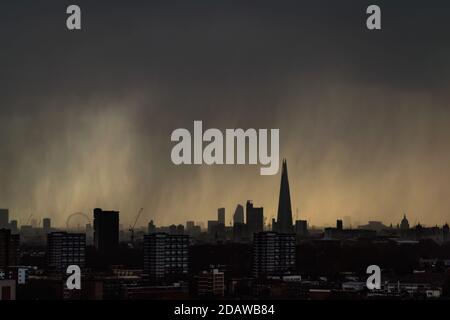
x=284 y=218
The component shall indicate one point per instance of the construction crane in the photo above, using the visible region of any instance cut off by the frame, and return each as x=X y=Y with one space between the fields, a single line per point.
x=134 y=225
x=29 y=219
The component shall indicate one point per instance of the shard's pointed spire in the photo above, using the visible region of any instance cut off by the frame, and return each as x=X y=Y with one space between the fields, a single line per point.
x=284 y=219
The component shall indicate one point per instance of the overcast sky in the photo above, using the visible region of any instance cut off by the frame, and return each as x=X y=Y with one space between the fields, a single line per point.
x=86 y=116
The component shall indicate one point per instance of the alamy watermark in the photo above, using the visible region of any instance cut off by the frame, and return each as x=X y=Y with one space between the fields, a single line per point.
x=74 y=279
x=236 y=146
x=374 y=280
x=73 y=21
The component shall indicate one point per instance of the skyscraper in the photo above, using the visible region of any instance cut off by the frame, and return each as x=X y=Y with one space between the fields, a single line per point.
x=238 y=214
x=255 y=219
x=65 y=249
x=165 y=257
x=9 y=248
x=221 y=216
x=284 y=218
x=106 y=230
x=239 y=227
x=273 y=254
x=4 y=218
x=301 y=227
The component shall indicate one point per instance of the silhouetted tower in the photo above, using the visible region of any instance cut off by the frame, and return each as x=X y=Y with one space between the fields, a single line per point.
x=106 y=230
x=255 y=219
x=284 y=218
x=238 y=214
x=221 y=216
x=4 y=218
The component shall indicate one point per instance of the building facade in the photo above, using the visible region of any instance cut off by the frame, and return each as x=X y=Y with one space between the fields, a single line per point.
x=211 y=283
x=166 y=257
x=65 y=249
x=273 y=254
x=9 y=248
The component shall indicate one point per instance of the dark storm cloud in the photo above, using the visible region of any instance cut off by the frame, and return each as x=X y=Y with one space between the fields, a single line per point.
x=180 y=41
x=86 y=116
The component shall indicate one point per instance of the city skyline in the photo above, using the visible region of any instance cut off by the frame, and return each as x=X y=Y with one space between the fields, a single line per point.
x=284 y=222
x=86 y=116
x=284 y=214
x=226 y=158
x=186 y=262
